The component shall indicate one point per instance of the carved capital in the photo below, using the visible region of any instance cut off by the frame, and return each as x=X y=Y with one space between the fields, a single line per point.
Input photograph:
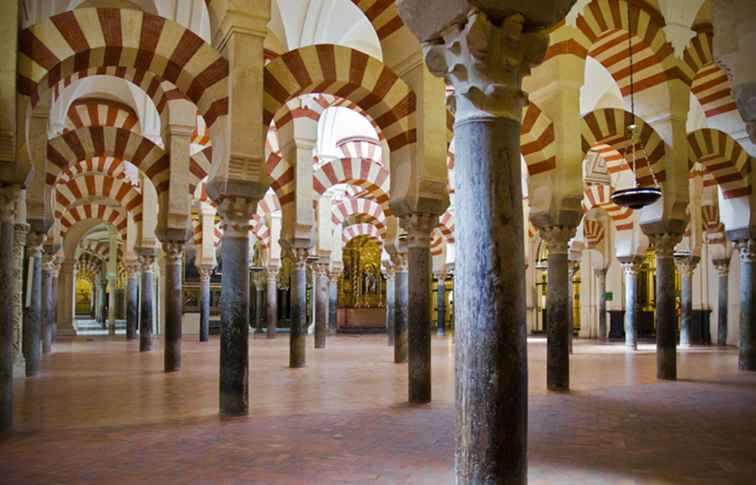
x=486 y=64
x=34 y=242
x=8 y=198
x=146 y=259
x=557 y=238
x=174 y=251
x=664 y=243
x=419 y=228
x=401 y=264
x=20 y=232
x=271 y=272
x=321 y=268
x=722 y=266
x=236 y=213
x=747 y=250
x=687 y=264
x=205 y=271
x=132 y=268
x=334 y=276
x=631 y=265
x=300 y=256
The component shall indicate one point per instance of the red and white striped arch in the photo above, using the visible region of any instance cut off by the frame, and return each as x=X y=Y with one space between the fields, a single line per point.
x=597 y=195
x=593 y=231
x=101 y=112
x=115 y=216
x=112 y=167
x=260 y=230
x=609 y=127
x=437 y=243
x=361 y=172
x=723 y=158
x=367 y=211
x=269 y=204
x=360 y=147
x=93 y=188
x=710 y=218
x=446 y=226
x=537 y=141
x=197 y=233
x=361 y=230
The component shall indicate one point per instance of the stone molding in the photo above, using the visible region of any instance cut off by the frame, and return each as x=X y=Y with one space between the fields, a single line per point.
x=722 y=266
x=687 y=264
x=747 y=250
x=486 y=64
x=557 y=238
x=664 y=243
x=419 y=228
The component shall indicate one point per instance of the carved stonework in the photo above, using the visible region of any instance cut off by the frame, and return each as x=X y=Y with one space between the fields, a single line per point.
x=687 y=264
x=401 y=263
x=174 y=252
x=272 y=274
x=722 y=266
x=236 y=213
x=132 y=269
x=321 y=269
x=205 y=272
x=146 y=259
x=631 y=265
x=419 y=228
x=19 y=244
x=664 y=243
x=389 y=272
x=557 y=238
x=747 y=250
x=486 y=64
x=300 y=257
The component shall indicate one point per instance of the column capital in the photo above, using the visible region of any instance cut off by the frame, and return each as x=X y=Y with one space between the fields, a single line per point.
x=146 y=258
x=686 y=264
x=205 y=271
x=401 y=265
x=321 y=268
x=132 y=268
x=389 y=272
x=557 y=238
x=440 y=275
x=722 y=265
x=236 y=213
x=174 y=251
x=631 y=264
x=272 y=273
x=486 y=63
x=665 y=242
x=300 y=256
x=419 y=228
x=746 y=249
x=19 y=240
x=34 y=242
x=8 y=198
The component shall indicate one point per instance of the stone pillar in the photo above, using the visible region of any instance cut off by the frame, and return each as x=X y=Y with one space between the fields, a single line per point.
x=66 y=303
x=205 y=270
x=234 y=338
x=100 y=301
x=601 y=283
x=19 y=245
x=258 y=311
x=485 y=62
x=146 y=317
x=333 y=300
x=557 y=308
x=48 y=299
x=298 y=333
x=419 y=227
x=666 y=335
x=631 y=266
x=723 y=270
x=33 y=313
x=747 y=345
x=441 y=303
x=132 y=305
x=321 y=305
x=174 y=303
x=401 y=309
x=8 y=281
x=572 y=268
x=271 y=300
x=56 y=297
x=111 y=304
x=686 y=264
x=390 y=307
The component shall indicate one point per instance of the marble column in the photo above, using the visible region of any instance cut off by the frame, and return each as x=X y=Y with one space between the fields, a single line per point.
x=205 y=271
x=333 y=300
x=48 y=299
x=100 y=301
x=557 y=308
x=67 y=298
x=19 y=246
x=234 y=338
x=271 y=301
x=174 y=303
x=33 y=312
x=631 y=266
x=401 y=282
x=258 y=311
x=441 y=303
x=146 y=321
x=419 y=227
x=390 y=307
x=491 y=378
x=132 y=305
x=572 y=268
x=8 y=244
x=601 y=284
x=298 y=333
x=111 y=316
x=686 y=265
x=666 y=334
x=321 y=305
x=723 y=271
x=56 y=297
x=747 y=344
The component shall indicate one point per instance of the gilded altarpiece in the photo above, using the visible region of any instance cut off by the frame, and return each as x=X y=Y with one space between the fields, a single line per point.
x=361 y=284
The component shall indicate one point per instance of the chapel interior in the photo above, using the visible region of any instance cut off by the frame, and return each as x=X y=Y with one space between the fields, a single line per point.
x=377 y=242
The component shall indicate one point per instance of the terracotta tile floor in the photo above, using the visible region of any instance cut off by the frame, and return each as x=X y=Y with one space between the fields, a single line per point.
x=101 y=412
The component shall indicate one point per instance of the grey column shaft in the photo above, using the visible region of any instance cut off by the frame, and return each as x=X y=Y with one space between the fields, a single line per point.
x=570 y=321
x=686 y=307
x=48 y=306
x=271 y=316
x=54 y=316
x=234 y=338
x=390 y=308
x=490 y=322
x=7 y=290
x=258 y=308
x=401 y=316
x=321 y=311
x=33 y=318
x=666 y=335
x=747 y=350
x=419 y=324
x=132 y=307
x=204 y=334
x=722 y=313
x=298 y=335
x=441 y=308
x=631 y=310
x=603 y=331
x=557 y=352
x=173 y=314
x=145 y=312
x=333 y=298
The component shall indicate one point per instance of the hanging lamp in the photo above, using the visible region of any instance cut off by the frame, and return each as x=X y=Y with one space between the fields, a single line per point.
x=635 y=197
